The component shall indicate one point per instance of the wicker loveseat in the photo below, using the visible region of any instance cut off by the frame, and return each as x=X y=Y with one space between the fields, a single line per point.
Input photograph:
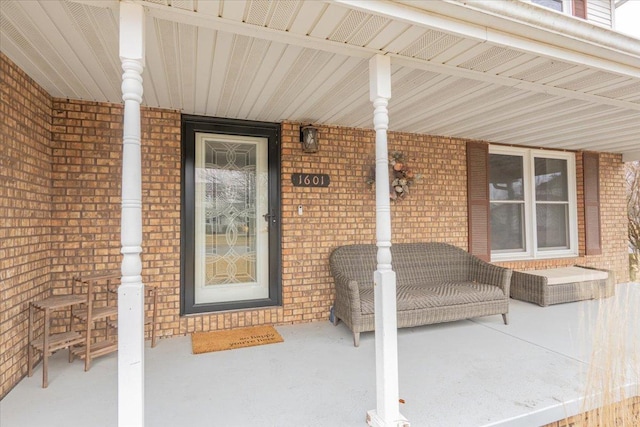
x=436 y=282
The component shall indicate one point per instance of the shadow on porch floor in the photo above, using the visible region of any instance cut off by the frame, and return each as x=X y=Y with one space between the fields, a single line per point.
x=466 y=373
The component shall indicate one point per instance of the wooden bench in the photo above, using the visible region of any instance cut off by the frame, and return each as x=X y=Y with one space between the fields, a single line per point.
x=560 y=285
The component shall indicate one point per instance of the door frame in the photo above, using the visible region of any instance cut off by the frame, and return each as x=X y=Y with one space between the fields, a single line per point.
x=271 y=131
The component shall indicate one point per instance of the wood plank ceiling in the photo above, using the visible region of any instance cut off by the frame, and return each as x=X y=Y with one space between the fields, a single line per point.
x=307 y=61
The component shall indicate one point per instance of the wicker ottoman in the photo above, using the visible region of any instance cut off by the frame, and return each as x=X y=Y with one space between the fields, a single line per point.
x=560 y=285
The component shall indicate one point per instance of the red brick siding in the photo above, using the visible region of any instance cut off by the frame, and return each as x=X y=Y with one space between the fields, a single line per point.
x=87 y=213
x=344 y=213
x=87 y=159
x=65 y=212
x=625 y=413
x=25 y=209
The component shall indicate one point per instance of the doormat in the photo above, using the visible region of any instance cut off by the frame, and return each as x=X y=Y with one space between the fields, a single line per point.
x=204 y=342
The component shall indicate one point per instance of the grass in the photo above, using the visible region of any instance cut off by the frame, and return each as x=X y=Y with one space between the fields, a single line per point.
x=613 y=372
x=634 y=267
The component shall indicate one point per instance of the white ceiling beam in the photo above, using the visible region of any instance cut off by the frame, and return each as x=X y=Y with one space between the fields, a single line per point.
x=277 y=80
x=154 y=77
x=518 y=120
x=503 y=118
x=327 y=22
x=268 y=67
x=233 y=10
x=621 y=144
x=209 y=7
x=580 y=121
x=252 y=65
x=337 y=66
x=391 y=31
x=205 y=45
x=81 y=57
x=424 y=94
x=237 y=27
x=433 y=102
x=515 y=83
x=225 y=25
x=105 y=4
x=506 y=67
x=497 y=106
x=607 y=86
x=17 y=54
x=307 y=15
x=29 y=39
x=187 y=54
x=356 y=93
x=603 y=134
x=546 y=118
x=559 y=29
x=349 y=92
x=526 y=33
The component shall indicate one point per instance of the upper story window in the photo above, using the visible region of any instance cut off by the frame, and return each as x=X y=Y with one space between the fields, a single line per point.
x=577 y=8
x=552 y=4
x=532 y=203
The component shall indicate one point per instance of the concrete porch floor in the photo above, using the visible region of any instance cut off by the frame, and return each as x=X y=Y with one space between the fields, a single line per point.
x=469 y=373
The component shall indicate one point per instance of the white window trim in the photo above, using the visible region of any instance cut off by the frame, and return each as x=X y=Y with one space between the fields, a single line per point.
x=566 y=6
x=531 y=251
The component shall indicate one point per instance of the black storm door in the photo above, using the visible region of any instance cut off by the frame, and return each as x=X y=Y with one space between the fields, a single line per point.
x=230 y=215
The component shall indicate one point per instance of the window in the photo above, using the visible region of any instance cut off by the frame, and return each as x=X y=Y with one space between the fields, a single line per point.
x=559 y=5
x=576 y=8
x=551 y=4
x=532 y=204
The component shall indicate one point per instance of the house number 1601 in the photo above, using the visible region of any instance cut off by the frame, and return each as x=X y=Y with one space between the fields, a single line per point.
x=310 y=180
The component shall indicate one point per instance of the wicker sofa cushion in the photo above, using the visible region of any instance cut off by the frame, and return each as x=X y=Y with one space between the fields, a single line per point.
x=437 y=294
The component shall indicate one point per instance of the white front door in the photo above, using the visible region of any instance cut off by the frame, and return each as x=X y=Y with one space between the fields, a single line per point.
x=231 y=253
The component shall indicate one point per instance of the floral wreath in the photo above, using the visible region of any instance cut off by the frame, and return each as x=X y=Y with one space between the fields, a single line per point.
x=401 y=177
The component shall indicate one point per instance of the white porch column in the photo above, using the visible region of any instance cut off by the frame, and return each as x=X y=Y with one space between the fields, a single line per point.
x=130 y=292
x=387 y=412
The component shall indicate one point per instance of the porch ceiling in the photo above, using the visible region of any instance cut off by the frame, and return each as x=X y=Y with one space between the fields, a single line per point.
x=506 y=80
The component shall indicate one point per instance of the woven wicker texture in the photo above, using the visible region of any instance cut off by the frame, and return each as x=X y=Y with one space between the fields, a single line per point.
x=436 y=282
x=415 y=297
x=535 y=289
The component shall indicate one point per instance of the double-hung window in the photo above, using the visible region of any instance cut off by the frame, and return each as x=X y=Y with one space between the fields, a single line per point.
x=559 y=5
x=532 y=203
x=571 y=7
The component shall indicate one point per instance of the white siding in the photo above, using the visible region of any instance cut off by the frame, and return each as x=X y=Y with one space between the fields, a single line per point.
x=599 y=12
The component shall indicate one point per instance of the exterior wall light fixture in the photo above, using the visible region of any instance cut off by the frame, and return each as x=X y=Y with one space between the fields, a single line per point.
x=309 y=139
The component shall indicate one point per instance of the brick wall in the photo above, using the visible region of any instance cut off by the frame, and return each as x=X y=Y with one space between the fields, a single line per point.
x=624 y=413
x=344 y=212
x=87 y=156
x=435 y=209
x=60 y=191
x=87 y=181
x=25 y=210
x=87 y=212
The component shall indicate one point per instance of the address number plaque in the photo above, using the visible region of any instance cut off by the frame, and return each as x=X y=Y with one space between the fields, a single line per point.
x=310 y=180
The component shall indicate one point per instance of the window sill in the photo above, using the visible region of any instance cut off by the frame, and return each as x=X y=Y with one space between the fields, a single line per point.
x=528 y=257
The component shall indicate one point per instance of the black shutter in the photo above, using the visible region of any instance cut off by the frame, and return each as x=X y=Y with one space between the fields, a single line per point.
x=591 y=174
x=478 y=200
